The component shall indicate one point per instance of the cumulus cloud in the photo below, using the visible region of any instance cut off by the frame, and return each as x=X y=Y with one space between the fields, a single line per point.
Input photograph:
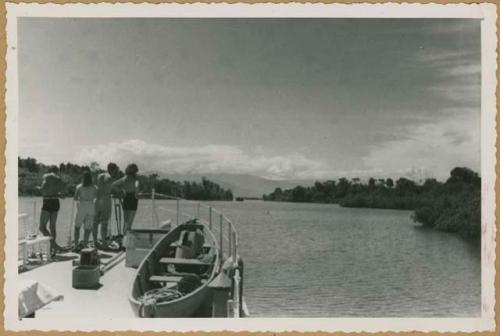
x=431 y=150
x=203 y=160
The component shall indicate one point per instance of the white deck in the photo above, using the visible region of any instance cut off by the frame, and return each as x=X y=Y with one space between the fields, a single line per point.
x=109 y=301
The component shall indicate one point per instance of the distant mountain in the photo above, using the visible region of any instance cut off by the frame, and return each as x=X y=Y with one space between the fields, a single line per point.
x=241 y=185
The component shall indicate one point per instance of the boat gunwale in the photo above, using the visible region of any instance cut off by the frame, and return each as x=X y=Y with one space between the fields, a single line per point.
x=194 y=292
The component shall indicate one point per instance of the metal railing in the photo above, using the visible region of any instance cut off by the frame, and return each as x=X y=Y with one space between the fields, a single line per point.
x=177 y=209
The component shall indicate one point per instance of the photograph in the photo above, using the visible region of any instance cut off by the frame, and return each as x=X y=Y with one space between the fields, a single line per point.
x=313 y=167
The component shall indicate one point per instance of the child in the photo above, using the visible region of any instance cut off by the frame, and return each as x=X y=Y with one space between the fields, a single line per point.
x=85 y=195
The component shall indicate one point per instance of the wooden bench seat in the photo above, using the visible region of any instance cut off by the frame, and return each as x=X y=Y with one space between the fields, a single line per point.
x=165 y=278
x=178 y=244
x=182 y=261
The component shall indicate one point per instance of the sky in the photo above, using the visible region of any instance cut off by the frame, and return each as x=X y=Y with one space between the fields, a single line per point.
x=277 y=98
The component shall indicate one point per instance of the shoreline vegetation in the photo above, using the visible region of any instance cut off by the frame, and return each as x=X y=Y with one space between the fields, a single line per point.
x=31 y=172
x=451 y=206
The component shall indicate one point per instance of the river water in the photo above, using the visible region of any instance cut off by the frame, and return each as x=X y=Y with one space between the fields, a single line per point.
x=318 y=260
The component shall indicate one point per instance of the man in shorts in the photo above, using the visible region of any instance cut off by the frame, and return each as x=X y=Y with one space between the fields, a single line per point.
x=103 y=203
x=52 y=187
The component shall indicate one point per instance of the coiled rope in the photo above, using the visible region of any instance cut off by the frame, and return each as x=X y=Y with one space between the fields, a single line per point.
x=154 y=296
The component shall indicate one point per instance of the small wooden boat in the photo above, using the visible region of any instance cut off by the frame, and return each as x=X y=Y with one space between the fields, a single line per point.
x=172 y=280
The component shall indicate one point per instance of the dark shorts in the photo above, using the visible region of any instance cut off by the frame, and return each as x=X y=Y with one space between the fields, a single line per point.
x=130 y=202
x=50 y=205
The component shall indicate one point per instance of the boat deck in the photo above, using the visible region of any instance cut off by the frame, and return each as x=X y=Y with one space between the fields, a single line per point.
x=109 y=301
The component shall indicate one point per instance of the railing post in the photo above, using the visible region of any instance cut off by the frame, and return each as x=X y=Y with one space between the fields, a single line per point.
x=153 y=209
x=221 y=236
x=34 y=218
x=178 y=210
x=210 y=218
x=230 y=238
x=236 y=294
x=234 y=251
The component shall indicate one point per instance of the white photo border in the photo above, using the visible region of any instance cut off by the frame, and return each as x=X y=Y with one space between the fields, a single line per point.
x=484 y=11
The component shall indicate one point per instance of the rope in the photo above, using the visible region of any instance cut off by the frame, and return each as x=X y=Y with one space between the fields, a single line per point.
x=154 y=296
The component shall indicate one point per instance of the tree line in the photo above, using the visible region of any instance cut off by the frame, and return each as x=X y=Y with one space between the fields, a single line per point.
x=30 y=174
x=452 y=206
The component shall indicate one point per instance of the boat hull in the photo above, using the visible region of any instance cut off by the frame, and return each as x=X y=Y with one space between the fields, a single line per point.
x=188 y=305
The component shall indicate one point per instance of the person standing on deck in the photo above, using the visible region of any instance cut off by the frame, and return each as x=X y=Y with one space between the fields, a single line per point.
x=52 y=187
x=103 y=203
x=128 y=187
x=85 y=195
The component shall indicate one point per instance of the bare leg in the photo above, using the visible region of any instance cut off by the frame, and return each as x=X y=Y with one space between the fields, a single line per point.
x=95 y=226
x=128 y=220
x=95 y=229
x=77 y=235
x=86 y=234
x=44 y=219
x=104 y=230
x=104 y=234
x=53 y=233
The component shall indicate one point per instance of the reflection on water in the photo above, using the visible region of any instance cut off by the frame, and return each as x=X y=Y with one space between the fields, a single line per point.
x=314 y=260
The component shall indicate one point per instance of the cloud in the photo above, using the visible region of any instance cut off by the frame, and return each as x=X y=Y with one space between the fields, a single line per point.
x=203 y=160
x=431 y=150
x=443 y=57
x=458 y=93
x=43 y=152
x=452 y=139
x=458 y=74
x=221 y=159
x=456 y=27
x=464 y=70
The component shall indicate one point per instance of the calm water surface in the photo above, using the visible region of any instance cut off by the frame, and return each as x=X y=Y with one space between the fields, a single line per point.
x=315 y=260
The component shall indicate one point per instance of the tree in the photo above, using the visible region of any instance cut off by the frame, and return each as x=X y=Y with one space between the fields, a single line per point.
x=389 y=183
x=405 y=186
x=318 y=186
x=430 y=184
x=342 y=187
x=465 y=175
x=299 y=194
x=371 y=183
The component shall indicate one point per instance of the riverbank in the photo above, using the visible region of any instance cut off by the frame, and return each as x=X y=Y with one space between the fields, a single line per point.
x=453 y=206
x=31 y=172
